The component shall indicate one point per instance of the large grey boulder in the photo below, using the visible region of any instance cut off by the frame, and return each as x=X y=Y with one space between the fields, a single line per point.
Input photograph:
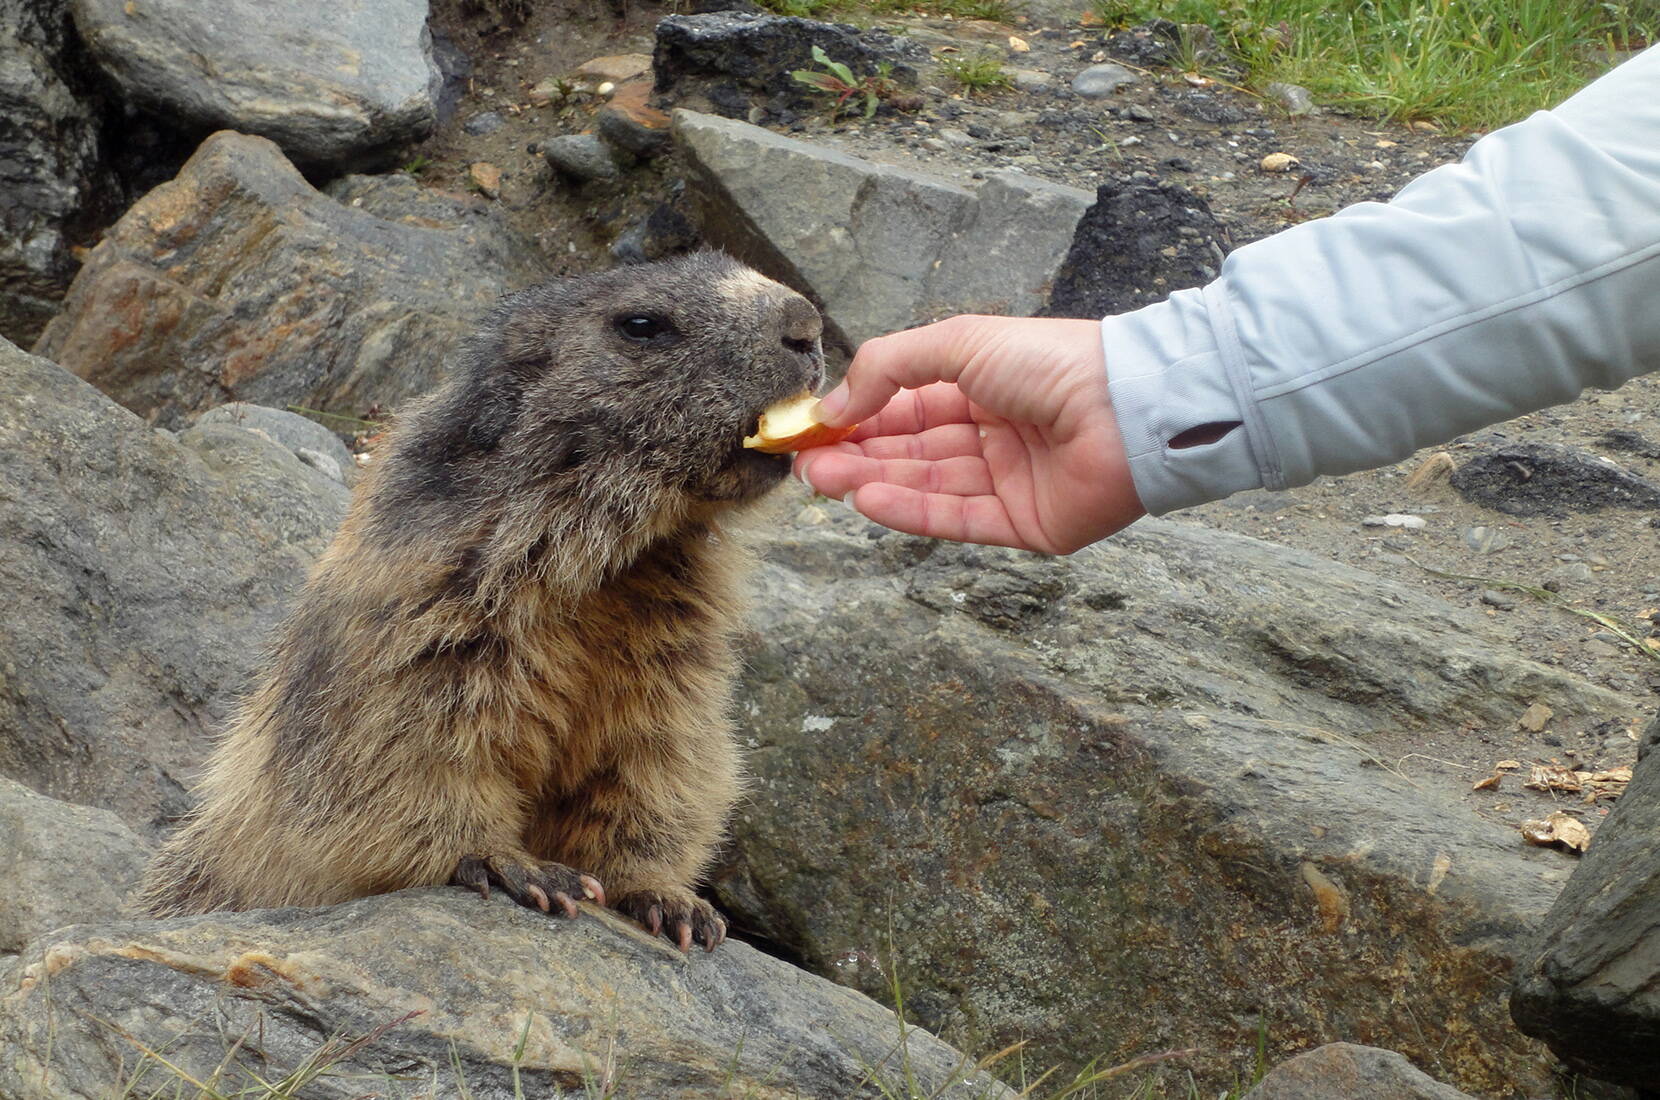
x=238 y=281
x=878 y=248
x=1590 y=986
x=1345 y=1071
x=1139 y=784
x=62 y=864
x=52 y=182
x=309 y=441
x=141 y=577
x=448 y=987
x=331 y=81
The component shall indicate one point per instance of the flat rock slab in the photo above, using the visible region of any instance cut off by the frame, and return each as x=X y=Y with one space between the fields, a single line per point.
x=878 y=248
x=238 y=281
x=61 y=864
x=1140 y=783
x=141 y=577
x=456 y=982
x=1540 y=479
x=331 y=81
x=1590 y=987
x=1344 y=1071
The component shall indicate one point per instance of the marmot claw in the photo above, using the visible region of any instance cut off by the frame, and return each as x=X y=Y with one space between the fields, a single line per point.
x=683 y=919
x=535 y=885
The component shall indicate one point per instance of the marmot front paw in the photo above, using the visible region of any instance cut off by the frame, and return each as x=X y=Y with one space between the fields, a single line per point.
x=680 y=915
x=532 y=883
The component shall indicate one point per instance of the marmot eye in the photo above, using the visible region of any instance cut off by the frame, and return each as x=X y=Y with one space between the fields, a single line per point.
x=642 y=327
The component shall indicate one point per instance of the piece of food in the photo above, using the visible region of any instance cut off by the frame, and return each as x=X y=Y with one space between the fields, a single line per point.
x=791 y=425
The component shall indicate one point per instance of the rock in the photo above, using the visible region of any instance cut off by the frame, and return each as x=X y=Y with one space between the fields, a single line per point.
x=1101 y=81
x=485 y=178
x=1485 y=540
x=757 y=53
x=879 y=248
x=1134 y=774
x=1157 y=42
x=141 y=575
x=1540 y=479
x=1590 y=984
x=618 y=68
x=55 y=184
x=633 y=126
x=580 y=157
x=484 y=123
x=1294 y=99
x=238 y=281
x=1396 y=519
x=662 y=233
x=1136 y=244
x=1032 y=81
x=1501 y=600
x=1135 y=112
x=1344 y=1071
x=471 y=998
x=299 y=434
x=62 y=864
x=357 y=81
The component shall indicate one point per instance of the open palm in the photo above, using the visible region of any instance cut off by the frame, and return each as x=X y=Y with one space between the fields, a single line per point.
x=1005 y=435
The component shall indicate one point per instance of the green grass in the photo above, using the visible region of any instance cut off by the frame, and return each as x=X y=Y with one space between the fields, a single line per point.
x=979 y=72
x=1464 y=63
x=998 y=11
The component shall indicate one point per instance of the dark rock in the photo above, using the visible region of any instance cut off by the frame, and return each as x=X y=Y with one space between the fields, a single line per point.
x=1129 y=250
x=581 y=157
x=1205 y=107
x=358 y=81
x=1590 y=986
x=238 y=281
x=458 y=996
x=1344 y=1071
x=62 y=864
x=662 y=233
x=757 y=53
x=1631 y=443
x=632 y=125
x=1158 y=42
x=1135 y=112
x=53 y=185
x=141 y=575
x=485 y=122
x=1540 y=479
x=1134 y=774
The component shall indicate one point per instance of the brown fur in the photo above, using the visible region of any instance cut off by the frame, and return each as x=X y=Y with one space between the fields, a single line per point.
x=517 y=648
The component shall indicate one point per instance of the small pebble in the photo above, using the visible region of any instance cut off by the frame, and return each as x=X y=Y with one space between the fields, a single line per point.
x=1100 y=81
x=485 y=122
x=1137 y=113
x=580 y=156
x=1501 y=600
x=1485 y=540
x=1294 y=98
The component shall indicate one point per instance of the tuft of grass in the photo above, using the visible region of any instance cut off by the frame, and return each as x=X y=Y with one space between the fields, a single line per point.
x=977 y=73
x=1465 y=63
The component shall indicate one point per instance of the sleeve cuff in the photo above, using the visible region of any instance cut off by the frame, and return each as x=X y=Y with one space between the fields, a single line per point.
x=1167 y=375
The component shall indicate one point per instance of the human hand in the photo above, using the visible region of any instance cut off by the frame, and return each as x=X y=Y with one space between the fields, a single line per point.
x=1006 y=436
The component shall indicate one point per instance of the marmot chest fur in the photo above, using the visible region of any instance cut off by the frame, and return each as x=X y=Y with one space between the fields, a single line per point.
x=511 y=669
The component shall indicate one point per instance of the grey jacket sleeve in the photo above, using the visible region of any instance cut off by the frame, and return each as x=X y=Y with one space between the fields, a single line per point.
x=1504 y=283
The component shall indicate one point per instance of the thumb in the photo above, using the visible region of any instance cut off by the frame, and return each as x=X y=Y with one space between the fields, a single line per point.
x=902 y=360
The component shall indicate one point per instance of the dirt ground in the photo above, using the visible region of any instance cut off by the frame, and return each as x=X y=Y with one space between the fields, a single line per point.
x=1211 y=138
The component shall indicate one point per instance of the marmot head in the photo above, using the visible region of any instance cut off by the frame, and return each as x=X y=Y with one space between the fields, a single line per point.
x=642 y=379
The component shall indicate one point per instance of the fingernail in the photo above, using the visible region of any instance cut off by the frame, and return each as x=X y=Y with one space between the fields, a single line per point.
x=832 y=403
x=800 y=472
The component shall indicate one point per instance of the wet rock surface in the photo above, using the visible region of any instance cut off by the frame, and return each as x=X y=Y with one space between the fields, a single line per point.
x=239 y=281
x=447 y=987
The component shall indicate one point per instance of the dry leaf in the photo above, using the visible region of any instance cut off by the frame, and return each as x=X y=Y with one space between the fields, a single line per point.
x=1383 y=143
x=1197 y=81
x=1078 y=45
x=1424 y=126
x=1437 y=467
x=1552 y=777
x=1508 y=765
x=1535 y=718
x=1560 y=830
x=1019 y=45
x=1491 y=783
x=1278 y=162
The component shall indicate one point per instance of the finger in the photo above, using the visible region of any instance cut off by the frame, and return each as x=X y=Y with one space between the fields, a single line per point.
x=916 y=411
x=949 y=441
x=981 y=519
x=836 y=475
x=902 y=360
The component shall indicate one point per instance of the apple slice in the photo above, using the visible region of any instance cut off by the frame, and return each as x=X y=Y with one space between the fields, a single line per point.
x=791 y=425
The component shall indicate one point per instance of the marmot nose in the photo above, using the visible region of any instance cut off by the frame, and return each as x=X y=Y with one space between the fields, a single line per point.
x=802 y=326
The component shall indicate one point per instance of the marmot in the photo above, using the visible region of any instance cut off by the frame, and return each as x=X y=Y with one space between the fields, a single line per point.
x=512 y=666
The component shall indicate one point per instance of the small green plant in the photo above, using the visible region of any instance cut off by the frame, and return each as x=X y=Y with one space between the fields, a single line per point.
x=416 y=165
x=837 y=80
x=981 y=72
